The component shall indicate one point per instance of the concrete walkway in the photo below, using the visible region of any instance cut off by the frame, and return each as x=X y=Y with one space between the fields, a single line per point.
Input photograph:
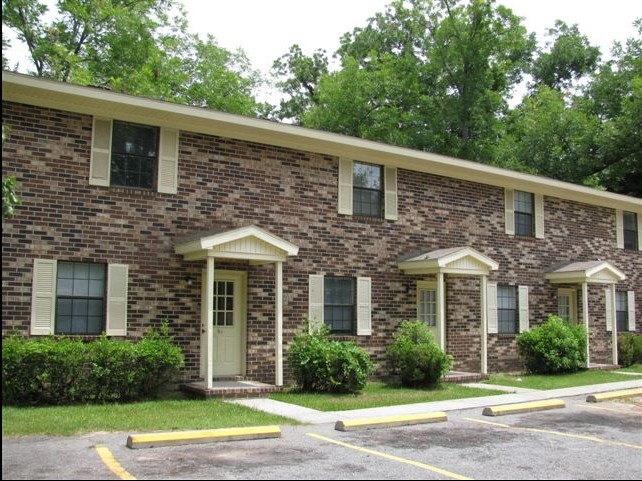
x=516 y=395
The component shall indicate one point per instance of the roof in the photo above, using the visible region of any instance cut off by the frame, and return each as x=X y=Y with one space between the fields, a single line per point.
x=595 y=272
x=455 y=260
x=100 y=102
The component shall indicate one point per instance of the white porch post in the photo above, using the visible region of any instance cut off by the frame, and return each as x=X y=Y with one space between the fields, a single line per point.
x=484 y=324
x=209 y=323
x=441 y=310
x=279 y=323
x=585 y=315
x=614 y=330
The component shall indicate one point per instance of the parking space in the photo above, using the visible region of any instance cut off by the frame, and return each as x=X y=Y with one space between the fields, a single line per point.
x=581 y=441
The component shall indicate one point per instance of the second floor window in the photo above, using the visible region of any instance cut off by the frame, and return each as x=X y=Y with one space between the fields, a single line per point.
x=524 y=213
x=368 y=190
x=134 y=154
x=630 y=224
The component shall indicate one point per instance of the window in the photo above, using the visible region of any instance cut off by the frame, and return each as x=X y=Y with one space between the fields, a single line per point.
x=343 y=303
x=367 y=190
x=223 y=303
x=567 y=304
x=338 y=304
x=507 y=319
x=630 y=225
x=80 y=298
x=427 y=306
x=134 y=153
x=524 y=213
x=622 y=311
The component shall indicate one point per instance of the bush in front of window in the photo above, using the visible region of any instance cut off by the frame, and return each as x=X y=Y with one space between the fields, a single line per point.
x=61 y=370
x=415 y=356
x=556 y=346
x=629 y=349
x=320 y=364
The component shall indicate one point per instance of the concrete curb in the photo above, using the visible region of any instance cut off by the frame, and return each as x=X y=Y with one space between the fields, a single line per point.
x=175 y=438
x=391 y=421
x=594 y=398
x=526 y=407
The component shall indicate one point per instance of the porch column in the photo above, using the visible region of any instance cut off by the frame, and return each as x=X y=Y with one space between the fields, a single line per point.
x=484 y=324
x=614 y=330
x=441 y=310
x=209 y=322
x=279 y=323
x=585 y=315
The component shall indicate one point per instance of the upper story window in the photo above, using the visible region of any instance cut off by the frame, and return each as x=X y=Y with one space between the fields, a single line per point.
x=134 y=155
x=368 y=190
x=524 y=213
x=630 y=230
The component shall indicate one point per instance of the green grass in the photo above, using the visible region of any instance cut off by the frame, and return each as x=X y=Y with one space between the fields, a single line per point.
x=378 y=394
x=556 y=381
x=634 y=368
x=164 y=415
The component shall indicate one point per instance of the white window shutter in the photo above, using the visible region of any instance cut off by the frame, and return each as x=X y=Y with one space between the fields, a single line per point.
x=509 y=210
x=117 y=300
x=168 y=161
x=43 y=297
x=491 y=303
x=524 y=323
x=539 y=216
x=609 y=309
x=315 y=302
x=619 y=229
x=345 y=186
x=639 y=215
x=390 y=186
x=631 y=308
x=100 y=160
x=364 y=306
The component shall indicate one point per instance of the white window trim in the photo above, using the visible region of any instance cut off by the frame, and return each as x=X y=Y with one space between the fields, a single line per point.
x=523 y=314
x=619 y=228
x=509 y=213
x=346 y=185
x=43 y=300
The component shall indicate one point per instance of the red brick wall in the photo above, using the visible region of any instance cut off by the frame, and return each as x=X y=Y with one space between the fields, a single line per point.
x=292 y=194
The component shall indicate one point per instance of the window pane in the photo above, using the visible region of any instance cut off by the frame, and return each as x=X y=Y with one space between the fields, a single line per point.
x=630 y=220
x=524 y=202
x=63 y=324
x=63 y=307
x=81 y=287
x=507 y=309
x=80 y=298
x=339 y=304
x=94 y=325
x=367 y=175
x=65 y=287
x=65 y=270
x=134 y=154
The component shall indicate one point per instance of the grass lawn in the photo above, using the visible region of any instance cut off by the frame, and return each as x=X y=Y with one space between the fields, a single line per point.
x=637 y=368
x=378 y=394
x=163 y=415
x=557 y=381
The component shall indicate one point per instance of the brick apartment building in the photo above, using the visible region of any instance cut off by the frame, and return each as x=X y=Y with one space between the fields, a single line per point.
x=236 y=230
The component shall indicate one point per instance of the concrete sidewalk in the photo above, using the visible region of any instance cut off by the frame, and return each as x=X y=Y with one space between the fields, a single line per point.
x=516 y=395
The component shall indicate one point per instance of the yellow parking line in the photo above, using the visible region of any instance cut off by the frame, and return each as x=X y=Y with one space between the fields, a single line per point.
x=557 y=433
x=417 y=464
x=112 y=464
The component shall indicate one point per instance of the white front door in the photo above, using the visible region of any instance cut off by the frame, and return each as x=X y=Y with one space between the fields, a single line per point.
x=228 y=323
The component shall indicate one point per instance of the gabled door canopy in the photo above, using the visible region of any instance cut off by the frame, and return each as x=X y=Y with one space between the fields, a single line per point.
x=455 y=260
x=592 y=272
x=247 y=243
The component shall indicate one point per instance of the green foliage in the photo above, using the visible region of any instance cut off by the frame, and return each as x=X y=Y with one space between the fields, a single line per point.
x=629 y=349
x=60 y=370
x=320 y=364
x=416 y=357
x=556 y=346
x=9 y=197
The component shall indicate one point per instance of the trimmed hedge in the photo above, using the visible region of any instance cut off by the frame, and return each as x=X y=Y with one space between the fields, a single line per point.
x=415 y=356
x=555 y=346
x=60 y=370
x=320 y=364
x=629 y=349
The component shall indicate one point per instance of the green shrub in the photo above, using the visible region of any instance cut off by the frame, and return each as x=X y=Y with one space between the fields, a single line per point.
x=629 y=349
x=320 y=364
x=553 y=347
x=415 y=356
x=60 y=370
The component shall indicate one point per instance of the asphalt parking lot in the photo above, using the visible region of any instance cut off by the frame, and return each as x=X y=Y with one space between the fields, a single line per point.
x=581 y=441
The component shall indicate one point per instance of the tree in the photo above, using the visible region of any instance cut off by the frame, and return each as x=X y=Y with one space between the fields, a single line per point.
x=9 y=196
x=136 y=47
